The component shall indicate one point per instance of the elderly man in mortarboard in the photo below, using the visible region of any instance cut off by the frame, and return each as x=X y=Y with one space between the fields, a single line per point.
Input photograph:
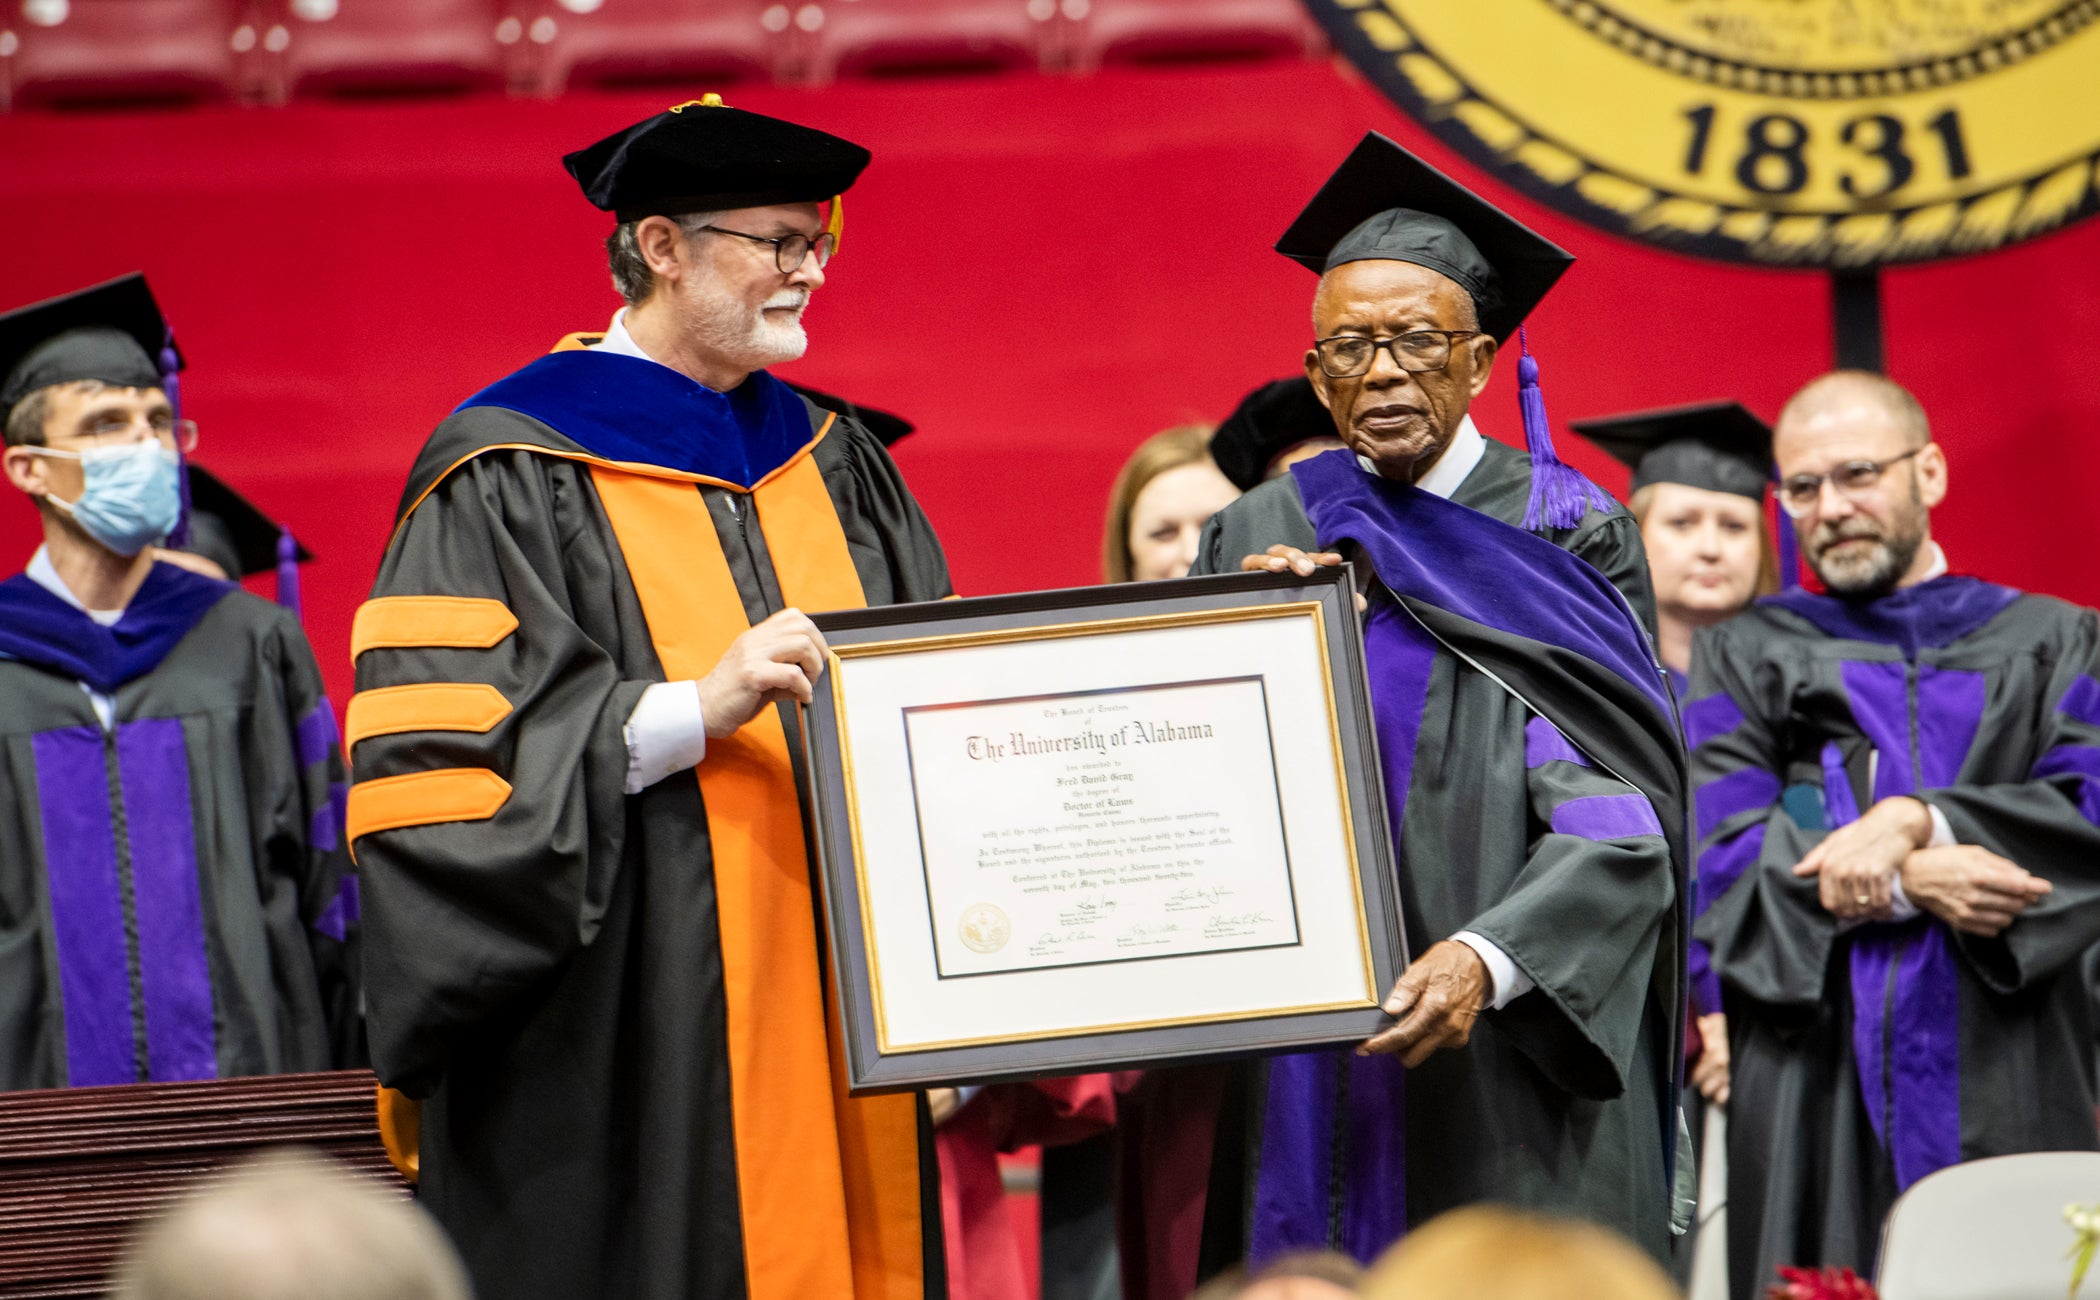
x=171 y=791
x=1898 y=798
x=1533 y=768
x=593 y=948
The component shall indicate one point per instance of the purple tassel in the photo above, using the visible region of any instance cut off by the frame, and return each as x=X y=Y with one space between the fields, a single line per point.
x=1560 y=495
x=170 y=364
x=288 y=571
x=1788 y=541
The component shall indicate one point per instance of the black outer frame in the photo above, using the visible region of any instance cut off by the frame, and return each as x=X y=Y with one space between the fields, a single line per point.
x=869 y=1071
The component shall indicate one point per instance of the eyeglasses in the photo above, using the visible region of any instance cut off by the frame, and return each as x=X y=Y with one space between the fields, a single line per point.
x=1803 y=492
x=112 y=427
x=788 y=250
x=1345 y=356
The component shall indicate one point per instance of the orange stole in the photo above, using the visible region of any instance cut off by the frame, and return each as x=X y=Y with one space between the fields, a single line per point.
x=814 y=1167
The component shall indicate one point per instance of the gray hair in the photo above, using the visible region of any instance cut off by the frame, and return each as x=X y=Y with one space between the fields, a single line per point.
x=623 y=255
x=1839 y=388
x=292 y=1226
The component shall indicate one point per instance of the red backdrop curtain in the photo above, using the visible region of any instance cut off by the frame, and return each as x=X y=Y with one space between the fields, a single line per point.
x=1039 y=271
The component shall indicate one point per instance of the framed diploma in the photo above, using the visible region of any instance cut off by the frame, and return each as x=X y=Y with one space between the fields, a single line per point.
x=1101 y=828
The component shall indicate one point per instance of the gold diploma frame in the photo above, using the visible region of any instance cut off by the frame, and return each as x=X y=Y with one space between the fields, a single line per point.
x=1100 y=829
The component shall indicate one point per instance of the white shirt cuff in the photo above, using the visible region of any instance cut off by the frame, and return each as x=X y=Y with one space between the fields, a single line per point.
x=1506 y=981
x=1942 y=832
x=665 y=734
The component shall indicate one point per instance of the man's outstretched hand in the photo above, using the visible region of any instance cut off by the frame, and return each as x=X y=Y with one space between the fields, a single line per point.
x=1437 y=999
x=1289 y=559
x=777 y=659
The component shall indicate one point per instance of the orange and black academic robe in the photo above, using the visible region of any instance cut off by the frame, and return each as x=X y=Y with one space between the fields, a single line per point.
x=613 y=1006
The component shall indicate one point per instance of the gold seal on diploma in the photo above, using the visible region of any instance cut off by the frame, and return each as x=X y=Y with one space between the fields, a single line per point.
x=984 y=928
x=1830 y=135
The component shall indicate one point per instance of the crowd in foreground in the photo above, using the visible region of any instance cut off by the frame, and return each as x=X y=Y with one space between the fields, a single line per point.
x=1659 y=814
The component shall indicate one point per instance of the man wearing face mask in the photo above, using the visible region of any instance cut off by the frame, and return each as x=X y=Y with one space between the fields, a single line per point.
x=170 y=799
x=592 y=949
x=1897 y=786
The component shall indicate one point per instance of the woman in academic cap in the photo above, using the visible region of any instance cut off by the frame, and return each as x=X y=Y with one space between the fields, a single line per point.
x=1698 y=490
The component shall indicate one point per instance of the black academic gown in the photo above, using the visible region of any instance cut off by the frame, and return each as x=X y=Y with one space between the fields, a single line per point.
x=1563 y=1099
x=176 y=901
x=548 y=979
x=1805 y=710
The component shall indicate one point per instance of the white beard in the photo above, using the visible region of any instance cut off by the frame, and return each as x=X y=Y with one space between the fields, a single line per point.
x=749 y=339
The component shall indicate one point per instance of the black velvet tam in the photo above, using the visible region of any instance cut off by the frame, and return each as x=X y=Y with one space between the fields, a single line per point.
x=113 y=332
x=1718 y=446
x=707 y=157
x=1268 y=422
x=1385 y=204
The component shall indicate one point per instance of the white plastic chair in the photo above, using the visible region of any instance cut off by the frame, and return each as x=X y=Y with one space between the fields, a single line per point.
x=1989 y=1230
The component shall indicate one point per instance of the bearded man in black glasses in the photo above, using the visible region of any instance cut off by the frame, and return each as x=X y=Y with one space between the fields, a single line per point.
x=594 y=950
x=1897 y=791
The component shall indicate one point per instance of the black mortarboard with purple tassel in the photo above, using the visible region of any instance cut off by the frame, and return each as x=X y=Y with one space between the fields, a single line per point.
x=1385 y=204
x=232 y=532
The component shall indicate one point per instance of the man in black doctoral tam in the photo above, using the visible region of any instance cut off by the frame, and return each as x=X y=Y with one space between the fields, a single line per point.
x=593 y=950
x=171 y=811
x=1898 y=827
x=1531 y=758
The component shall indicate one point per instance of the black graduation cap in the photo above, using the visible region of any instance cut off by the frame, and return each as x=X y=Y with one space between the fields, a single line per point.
x=230 y=530
x=890 y=429
x=1268 y=421
x=705 y=156
x=1385 y=204
x=113 y=332
x=1719 y=446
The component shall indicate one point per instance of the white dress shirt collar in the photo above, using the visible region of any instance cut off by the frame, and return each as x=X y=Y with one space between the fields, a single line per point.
x=45 y=574
x=1466 y=449
x=619 y=342
x=1937 y=566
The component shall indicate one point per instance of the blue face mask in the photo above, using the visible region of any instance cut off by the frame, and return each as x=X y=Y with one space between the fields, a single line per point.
x=129 y=498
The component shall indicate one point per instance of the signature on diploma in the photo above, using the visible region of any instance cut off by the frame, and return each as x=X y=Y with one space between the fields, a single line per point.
x=1190 y=898
x=1050 y=941
x=1086 y=909
x=1225 y=925
x=1148 y=936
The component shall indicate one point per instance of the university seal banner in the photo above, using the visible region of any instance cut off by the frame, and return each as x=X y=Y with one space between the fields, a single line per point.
x=1824 y=133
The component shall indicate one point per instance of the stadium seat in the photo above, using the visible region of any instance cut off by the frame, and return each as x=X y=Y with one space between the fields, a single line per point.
x=829 y=38
x=1988 y=1229
x=74 y=53
x=1147 y=31
x=599 y=43
x=381 y=47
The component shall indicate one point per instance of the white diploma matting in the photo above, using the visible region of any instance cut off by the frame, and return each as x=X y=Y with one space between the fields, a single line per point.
x=1120 y=829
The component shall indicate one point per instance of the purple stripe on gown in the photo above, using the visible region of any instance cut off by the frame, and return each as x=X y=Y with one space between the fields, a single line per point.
x=87 y=911
x=2082 y=761
x=317 y=733
x=1721 y=865
x=1544 y=743
x=1731 y=795
x=1905 y=994
x=1607 y=817
x=342 y=911
x=1296 y=1185
x=181 y=1040
x=1716 y=715
x=2082 y=702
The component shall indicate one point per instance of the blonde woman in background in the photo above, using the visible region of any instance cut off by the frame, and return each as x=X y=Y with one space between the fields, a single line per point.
x=1166 y=492
x=1699 y=479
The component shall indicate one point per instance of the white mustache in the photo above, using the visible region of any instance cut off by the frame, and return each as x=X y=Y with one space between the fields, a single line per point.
x=790 y=299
